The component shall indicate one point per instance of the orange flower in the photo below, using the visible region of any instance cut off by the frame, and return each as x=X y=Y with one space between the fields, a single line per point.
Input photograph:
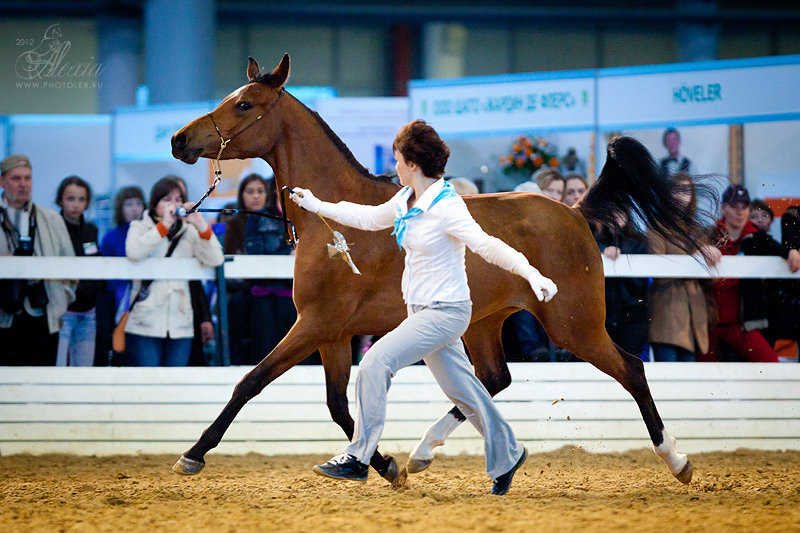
x=520 y=162
x=528 y=151
x=538 y=160
x=516 y=147
x=553 y=162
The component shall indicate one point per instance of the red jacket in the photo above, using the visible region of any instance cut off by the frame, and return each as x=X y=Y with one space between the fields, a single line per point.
x=726 y=290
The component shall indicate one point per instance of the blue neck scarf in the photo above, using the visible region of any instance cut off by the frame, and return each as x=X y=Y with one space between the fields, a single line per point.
x=448 y=191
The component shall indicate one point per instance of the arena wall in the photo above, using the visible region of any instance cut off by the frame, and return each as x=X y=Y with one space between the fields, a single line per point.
x=102 y=411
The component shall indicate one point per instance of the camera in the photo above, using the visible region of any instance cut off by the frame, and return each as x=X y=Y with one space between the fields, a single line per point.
x=25 y=247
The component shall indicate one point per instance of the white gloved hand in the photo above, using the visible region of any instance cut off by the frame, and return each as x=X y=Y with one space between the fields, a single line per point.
x=306 y=199
x=543 y=287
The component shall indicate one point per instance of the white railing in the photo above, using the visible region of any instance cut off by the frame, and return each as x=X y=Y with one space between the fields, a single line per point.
x=281 y=267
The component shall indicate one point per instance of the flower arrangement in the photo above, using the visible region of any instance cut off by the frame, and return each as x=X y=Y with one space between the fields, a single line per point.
x=529 y=155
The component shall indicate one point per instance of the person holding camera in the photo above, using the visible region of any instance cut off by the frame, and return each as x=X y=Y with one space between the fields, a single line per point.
x=31 y=311
x=160 y=324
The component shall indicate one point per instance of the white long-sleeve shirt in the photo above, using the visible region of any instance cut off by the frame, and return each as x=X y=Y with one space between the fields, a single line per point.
x=434 y=242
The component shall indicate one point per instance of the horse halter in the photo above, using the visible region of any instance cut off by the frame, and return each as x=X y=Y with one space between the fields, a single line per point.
x=223 y=143
x=289 y=232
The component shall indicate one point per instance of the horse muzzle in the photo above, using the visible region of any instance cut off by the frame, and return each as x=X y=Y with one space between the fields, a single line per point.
x=181 y=149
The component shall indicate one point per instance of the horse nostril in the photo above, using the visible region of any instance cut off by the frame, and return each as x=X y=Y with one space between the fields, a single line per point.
x=179 y=140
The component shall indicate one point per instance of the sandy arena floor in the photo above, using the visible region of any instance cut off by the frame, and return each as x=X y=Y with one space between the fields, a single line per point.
x=567 y=490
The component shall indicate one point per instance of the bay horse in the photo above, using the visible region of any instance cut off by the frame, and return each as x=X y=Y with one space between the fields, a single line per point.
x=261 y=119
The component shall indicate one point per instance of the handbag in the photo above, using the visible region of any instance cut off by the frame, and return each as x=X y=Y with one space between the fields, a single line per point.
x=118 y=335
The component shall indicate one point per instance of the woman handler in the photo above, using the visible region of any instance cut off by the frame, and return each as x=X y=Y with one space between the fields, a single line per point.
x=432 y=224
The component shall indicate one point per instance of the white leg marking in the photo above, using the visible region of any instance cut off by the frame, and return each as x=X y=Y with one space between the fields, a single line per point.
x=435 y=436
x=675 y=461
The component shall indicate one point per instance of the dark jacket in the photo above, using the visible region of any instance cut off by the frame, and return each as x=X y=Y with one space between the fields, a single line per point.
x=770 y=303
x=626 y=298
x=84 y=242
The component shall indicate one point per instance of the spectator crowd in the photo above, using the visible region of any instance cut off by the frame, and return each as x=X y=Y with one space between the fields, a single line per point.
x=172 y=323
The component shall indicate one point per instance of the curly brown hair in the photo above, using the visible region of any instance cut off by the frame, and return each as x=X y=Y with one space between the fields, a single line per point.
x=420 y=144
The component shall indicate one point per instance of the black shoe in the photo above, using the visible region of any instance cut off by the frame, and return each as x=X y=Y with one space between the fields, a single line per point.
x=343 y=466
x=503 y=483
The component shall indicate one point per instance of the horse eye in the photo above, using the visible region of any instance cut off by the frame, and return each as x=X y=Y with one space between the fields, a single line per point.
x=243 y=106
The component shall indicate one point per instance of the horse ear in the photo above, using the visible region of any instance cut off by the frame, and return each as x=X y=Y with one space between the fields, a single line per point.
x=252 y=69
x=281 y=72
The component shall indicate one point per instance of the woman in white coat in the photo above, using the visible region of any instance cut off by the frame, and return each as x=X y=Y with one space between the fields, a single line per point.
x=160 y=326
x=433 y=226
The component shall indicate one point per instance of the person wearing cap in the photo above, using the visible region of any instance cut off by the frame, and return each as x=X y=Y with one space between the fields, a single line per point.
x=741 y=304
x=30 y=310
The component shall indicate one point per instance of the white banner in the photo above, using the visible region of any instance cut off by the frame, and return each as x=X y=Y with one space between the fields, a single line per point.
x=723 y=92
x=367 y=126
x=145 y=134
x=510 y=104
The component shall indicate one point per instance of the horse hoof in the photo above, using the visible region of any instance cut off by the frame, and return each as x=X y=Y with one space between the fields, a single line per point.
x=188 y=466
x=392 y=471
x=685 y=475
x=414 y=466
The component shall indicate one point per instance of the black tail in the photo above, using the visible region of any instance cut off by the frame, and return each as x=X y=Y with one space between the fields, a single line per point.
x=631 y=184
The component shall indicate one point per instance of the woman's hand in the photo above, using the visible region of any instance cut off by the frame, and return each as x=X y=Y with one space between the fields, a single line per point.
x=168 y=216
x=711 y=254
x=195 y=219
x=306 y=199
x=543 y=287
x=206 y=331
x=612 y=252
x=793 y=261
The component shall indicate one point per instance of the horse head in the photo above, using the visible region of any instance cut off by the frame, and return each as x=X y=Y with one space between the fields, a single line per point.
x=230 y=125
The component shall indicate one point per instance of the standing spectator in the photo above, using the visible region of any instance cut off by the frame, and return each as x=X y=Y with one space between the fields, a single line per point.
x=680 y=309
x=674 y=162
x=761 y=215
x=464 y=186
x=575 y=188
x=76 y=340
x=115 y=300
x=626 y=298
x=30 y=311
x=768 y=294
x=572 y=164
x=785 y=305
x=128 y=206
x=160 y=326
x=741 y=312
x=203 y=325
x=262 y=312
x=548 y=180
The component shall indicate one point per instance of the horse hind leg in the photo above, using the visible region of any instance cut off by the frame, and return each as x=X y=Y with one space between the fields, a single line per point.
x=336 y=359
x=628 y=370
x=486 y=349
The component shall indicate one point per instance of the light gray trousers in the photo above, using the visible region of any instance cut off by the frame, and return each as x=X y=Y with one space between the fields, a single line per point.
x=433 y=334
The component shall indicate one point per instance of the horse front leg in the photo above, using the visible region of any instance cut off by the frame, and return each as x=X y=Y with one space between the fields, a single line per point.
x=337 y=361
x=296 y=346
x=486 y=351
x=596 y=347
